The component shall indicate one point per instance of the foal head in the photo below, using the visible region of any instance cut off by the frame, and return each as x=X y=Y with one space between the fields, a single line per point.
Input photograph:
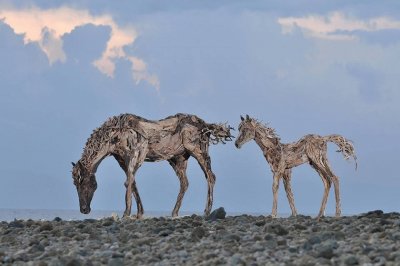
x=247 y=131
x=85 y=183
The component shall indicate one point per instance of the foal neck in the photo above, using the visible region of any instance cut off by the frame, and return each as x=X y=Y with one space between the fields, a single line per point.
x=268 y=141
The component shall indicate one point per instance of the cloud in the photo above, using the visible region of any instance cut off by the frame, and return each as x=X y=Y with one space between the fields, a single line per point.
x=46 y=27
x=336 y=26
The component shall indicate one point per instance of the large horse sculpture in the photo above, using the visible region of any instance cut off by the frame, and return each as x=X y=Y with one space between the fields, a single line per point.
x=282 y=158
x=132 y=140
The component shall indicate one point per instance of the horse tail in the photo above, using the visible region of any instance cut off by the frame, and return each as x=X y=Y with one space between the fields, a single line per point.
x=345 y=146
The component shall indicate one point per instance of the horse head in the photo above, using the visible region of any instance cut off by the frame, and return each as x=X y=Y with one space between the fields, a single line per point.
x=85 y=183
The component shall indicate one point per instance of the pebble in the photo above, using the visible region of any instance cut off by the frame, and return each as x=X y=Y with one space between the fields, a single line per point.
x=371 y=238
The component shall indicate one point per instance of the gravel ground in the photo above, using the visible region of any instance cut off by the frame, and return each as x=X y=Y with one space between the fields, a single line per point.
x=371 y=238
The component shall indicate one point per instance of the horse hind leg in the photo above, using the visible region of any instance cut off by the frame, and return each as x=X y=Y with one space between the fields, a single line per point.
x=288 y=188
x=179 y=164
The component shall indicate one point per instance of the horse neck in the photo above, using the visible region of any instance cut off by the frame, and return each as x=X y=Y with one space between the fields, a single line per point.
x=272 y=148
x=94 y=152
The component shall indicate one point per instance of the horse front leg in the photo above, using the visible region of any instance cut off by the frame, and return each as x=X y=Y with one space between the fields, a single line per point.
x=179 y=164
x=131 y=188
x=205 y=164
x=133 y=165
x=128 y=194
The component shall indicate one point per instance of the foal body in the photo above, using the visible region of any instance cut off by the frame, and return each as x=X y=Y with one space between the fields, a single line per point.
x=282 y=158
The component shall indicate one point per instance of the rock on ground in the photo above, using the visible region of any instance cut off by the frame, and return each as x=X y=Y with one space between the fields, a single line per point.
x=372 y=238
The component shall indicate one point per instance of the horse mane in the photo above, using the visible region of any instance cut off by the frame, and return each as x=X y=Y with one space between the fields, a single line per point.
x=100 y=136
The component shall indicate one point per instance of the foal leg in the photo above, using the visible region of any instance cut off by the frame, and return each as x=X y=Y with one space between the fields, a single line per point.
x=335 y=180
x=180 y=164
x=136 y=195
x=205 y=163
x=275 y=187
x=288 y=188
x=327 y=185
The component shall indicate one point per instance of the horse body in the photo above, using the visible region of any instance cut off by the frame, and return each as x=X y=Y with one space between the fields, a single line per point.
x=132 y=140
x=282 y=158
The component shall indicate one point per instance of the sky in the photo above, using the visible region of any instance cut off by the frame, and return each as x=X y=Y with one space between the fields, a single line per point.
x=305 y=67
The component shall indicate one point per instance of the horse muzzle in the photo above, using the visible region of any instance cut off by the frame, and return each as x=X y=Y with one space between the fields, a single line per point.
x=85 y=209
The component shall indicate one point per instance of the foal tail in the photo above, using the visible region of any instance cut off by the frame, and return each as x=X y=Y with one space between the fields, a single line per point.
x=345 y=146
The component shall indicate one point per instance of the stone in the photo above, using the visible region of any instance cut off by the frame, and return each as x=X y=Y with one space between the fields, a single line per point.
x=232 y=237
x=165 y=233
x=281 y=241
x=276 y=229
x=299 y=227
x=325 y=250
x=260 y=222
x=16 y=224
x=351 y=260
x=47 y=226
x=108 y=222
x=74 y=262
x=198 y=233
x=219 y=213
x=236 y=259
x=115 y=262
x=314 y=240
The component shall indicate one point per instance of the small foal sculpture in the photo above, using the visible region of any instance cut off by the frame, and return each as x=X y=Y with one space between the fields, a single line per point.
x=132 y=140
x=283 y=157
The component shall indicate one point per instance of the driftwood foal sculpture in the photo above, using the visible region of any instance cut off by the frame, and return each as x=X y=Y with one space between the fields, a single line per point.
x=132 y=140
x=283 y=157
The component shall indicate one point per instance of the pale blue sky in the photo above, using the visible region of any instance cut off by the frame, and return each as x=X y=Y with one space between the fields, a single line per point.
x=304 y=68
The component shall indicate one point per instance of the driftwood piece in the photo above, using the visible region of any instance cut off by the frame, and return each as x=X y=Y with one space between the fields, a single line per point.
x=282 y=158
x=132 y=140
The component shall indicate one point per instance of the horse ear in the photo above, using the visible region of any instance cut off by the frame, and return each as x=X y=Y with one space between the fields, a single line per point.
x=73 y=164
x=247 y=117
x=241 y=118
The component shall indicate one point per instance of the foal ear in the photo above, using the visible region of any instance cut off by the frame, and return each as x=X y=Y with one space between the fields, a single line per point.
x=241 y=118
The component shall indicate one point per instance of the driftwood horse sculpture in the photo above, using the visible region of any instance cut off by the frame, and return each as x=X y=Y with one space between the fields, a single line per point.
x=283 y=157
x=132 y=140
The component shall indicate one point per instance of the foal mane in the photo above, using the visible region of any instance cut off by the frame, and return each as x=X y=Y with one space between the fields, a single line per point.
x=269 y=131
